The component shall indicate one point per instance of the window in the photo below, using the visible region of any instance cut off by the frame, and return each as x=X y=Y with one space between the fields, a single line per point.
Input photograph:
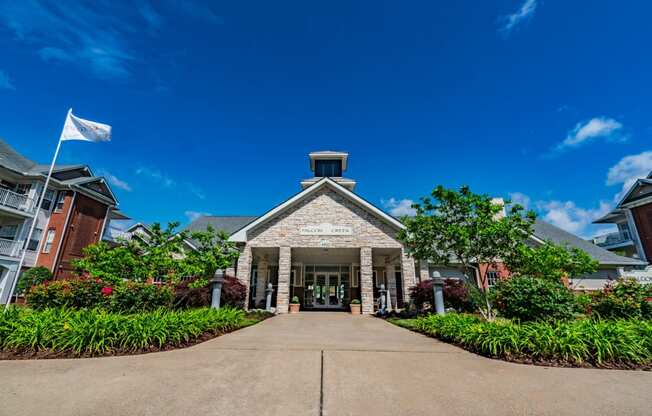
x=328 y=168
x=36 y=238
x=23 y=188
x=355 y=281
x=61 y=198
x=47 y=199
x=49 y=239
x=379 y=277
x=8 y=232
x=296 y=277
x=493 y=277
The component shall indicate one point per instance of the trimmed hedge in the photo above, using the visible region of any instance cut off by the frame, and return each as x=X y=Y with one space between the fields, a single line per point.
x=93 y=332
x=618 y=343
x=530 y=299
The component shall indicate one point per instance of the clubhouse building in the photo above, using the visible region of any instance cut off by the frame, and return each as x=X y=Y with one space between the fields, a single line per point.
x=328 y=246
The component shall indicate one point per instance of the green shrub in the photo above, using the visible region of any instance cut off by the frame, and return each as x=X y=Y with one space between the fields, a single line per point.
x=598 y=342
x=625 y=298
x=95 y=293
x=96 y=332
x=33 y=276
x=295 y=300
x=355 y=302
x=528 y=299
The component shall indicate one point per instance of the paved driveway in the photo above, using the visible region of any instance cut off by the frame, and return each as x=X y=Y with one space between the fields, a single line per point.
x=316 y=364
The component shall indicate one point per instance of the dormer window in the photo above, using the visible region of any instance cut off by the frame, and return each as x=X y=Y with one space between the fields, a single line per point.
x=328 y=168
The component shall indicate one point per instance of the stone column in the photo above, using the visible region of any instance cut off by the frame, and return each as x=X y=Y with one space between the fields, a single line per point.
x=261 y=280
x=283 y=289
x=408 y=274
x=424 y=272
x=390 y=272
x=366 y=280
x=244 y=271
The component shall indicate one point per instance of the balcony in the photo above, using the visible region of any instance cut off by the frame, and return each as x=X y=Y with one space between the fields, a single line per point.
x=613 y=240
x=10 y=248
x=16 y=202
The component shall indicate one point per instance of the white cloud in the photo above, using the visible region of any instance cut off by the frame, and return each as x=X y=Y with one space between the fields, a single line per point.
x=115 y=181
x=399 y=208
x=524 y=13
x=568 y=216
x=157 y=176
x=628 y=170
x=193 y=215
x=520 y=198
x=5 y=82
x=597 y=127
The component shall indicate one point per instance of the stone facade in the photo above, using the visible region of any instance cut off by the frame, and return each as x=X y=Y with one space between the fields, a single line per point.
x=408 y=274
x=328 y=205
x=424 y=272
x=390 y=272
x=284 y=267
x=325 y=206
x=243 y=274
x=366 y=280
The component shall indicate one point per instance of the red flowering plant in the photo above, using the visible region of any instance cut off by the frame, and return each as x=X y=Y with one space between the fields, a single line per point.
x=106 y=291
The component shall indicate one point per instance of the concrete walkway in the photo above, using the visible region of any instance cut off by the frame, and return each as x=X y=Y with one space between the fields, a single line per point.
x=316 y=364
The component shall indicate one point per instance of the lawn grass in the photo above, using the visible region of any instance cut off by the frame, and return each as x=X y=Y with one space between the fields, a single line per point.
x=578 y=343
x=61 y=332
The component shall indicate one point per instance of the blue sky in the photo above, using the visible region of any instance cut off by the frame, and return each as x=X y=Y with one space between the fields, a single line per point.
x=214 y=106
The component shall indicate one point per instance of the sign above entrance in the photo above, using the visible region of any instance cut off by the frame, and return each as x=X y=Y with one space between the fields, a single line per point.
x=326 y=229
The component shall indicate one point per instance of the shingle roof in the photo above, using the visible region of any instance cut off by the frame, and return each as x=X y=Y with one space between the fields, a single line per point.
x=228 y=224
x=13 y=160
x=549 y=232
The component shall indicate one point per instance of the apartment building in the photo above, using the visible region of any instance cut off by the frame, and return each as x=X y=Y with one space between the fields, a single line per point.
x=77 y=208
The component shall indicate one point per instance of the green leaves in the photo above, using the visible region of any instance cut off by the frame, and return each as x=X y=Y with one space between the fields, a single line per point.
x=213 y=251
x=623 y=343
x=467 y=229
x=551 y=261
x=96 y=332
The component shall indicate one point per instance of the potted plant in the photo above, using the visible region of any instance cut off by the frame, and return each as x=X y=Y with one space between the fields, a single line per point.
x=295 y=304
x=355 y=307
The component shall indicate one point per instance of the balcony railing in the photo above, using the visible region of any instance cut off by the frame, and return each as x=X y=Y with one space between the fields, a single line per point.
x=16 y=201
x=612 y=239
x=10 y=248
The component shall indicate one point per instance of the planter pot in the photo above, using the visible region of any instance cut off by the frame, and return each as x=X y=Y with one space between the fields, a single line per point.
x=356 y=309
x=294 y=307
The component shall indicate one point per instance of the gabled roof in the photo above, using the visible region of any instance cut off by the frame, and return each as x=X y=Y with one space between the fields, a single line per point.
x=228 y=224
x=630 y=195
x=544 y=231
x=241 y=235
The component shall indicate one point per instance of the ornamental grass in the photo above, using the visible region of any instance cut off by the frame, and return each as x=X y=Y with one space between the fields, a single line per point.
x=93 y=332
x=582 y=342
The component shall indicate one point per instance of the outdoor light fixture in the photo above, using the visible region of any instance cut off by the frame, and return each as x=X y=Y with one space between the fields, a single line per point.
x=216 y=284
x=438 y=289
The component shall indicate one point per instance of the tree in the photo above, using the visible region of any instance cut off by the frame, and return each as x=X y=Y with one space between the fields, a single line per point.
x=158 y=256
x=551 y=261
x=213 y=251
x=466 y=229
x=31 y=277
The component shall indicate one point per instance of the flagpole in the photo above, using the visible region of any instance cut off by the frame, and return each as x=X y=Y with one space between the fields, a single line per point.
x=35 y=219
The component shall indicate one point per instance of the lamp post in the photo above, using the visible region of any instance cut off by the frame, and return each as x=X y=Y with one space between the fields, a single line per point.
x=268 y=297
x=216 y=285
x=438 y=289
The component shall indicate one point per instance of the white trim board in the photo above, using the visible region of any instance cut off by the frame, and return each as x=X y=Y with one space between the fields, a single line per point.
x=240 y=236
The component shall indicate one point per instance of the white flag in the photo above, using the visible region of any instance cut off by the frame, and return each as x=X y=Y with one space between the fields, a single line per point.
x=77 y=128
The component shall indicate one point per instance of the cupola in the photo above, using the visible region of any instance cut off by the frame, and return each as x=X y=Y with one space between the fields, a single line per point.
x=328 y=164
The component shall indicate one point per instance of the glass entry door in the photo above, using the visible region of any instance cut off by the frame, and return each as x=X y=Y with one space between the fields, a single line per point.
x=328 y=291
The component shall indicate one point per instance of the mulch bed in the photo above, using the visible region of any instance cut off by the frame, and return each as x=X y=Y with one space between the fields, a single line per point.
x=68 y=354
